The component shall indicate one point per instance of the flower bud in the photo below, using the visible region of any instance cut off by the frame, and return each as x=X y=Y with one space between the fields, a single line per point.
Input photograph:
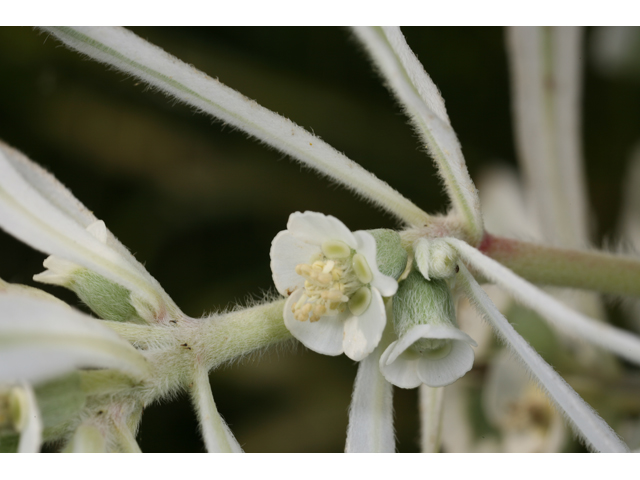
x=436 y=258
x=106 y=298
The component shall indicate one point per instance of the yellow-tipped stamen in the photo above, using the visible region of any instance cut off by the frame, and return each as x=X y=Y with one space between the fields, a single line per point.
x=332 y=279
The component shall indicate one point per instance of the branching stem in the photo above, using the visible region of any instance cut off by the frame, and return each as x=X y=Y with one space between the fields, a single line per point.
x=591 y=270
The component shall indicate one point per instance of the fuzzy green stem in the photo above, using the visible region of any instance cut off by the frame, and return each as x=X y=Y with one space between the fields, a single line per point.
x=590 y=270
x=239 y=333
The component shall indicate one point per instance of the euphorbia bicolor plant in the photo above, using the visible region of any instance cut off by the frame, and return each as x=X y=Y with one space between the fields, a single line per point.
x=385 y=298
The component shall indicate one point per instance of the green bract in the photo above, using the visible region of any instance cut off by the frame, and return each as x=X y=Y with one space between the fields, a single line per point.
x=390 y=254
x=420 y=301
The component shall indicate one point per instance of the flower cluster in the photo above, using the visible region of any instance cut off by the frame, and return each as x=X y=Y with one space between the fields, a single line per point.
x=335 y=305
x=385 y=299
x=334 y=286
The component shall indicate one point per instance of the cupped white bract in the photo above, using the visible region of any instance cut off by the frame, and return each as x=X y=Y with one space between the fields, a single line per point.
x=334 y=285
x=430 y=349
x=406 y=363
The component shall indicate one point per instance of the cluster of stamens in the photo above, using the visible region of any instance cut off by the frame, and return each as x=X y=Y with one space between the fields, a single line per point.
x=334 y=281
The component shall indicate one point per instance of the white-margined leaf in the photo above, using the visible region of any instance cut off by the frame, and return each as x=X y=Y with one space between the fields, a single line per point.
x=40 y=340
x=128 y=52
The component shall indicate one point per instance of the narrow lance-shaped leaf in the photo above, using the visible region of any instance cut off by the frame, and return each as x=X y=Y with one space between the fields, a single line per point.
x=424 y=105
x=545 y=76
x=217 y=436
x=41 y=212
x=585 y=420
x=40 y=340
x=571 y=322
x=128 y=52
x=371 y=411
x=546 y=84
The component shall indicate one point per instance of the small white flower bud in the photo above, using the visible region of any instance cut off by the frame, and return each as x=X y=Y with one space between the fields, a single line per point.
x=436 y=258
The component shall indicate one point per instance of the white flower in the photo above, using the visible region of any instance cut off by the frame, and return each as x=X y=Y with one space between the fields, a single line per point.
x=335 y=288
x=519 y=410
x=436 y=355
x=430 y=348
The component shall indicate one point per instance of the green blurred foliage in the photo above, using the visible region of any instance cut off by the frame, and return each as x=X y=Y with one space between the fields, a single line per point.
x=199 y=203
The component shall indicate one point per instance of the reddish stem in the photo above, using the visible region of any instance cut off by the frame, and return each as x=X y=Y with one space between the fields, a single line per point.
x=591 y=270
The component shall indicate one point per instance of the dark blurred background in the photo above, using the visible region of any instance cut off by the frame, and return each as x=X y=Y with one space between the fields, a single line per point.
x=199 y=203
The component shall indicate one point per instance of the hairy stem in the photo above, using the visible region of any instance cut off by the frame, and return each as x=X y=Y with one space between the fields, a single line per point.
x=591 y=270
x=235 y=334
x=124 y=437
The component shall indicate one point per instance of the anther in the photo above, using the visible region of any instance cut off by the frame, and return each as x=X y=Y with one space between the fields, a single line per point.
x=329 y=266
x=325 y=278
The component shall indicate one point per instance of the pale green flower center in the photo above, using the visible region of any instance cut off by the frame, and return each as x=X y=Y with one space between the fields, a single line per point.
x=432 y=348
x=335 y=280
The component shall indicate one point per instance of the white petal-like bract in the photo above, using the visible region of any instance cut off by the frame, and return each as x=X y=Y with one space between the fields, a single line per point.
x=324 y=336
x=408 y=369
x=41 y=339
